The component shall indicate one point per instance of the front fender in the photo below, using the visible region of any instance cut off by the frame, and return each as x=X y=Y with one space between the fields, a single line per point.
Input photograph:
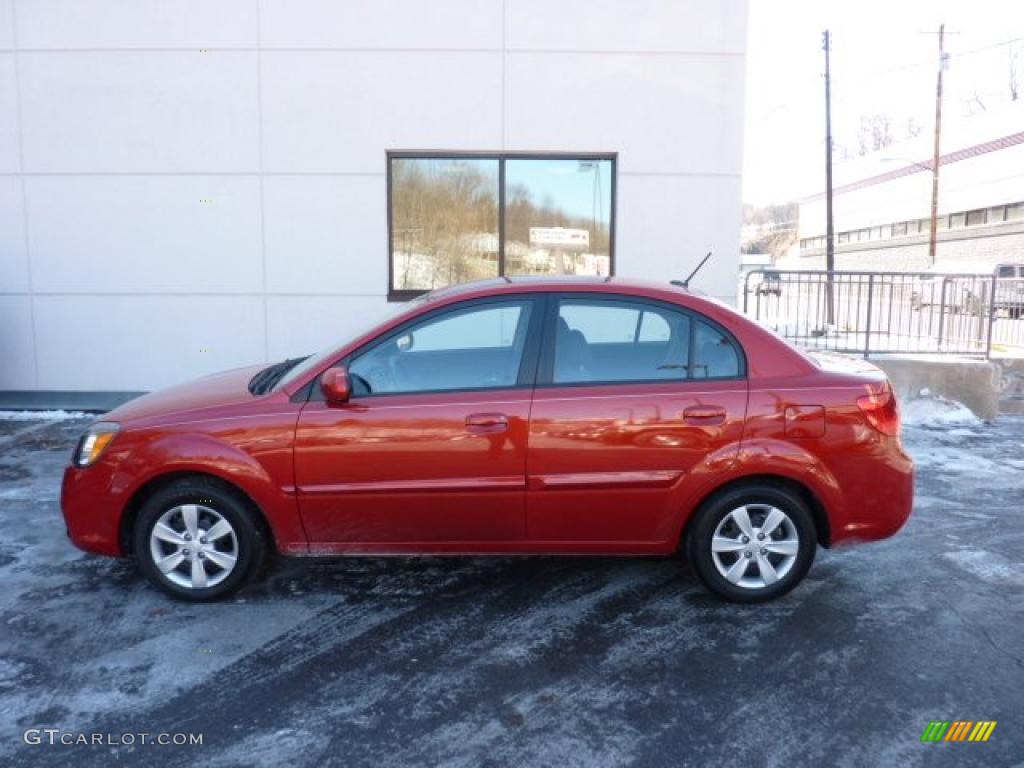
x=166 y=454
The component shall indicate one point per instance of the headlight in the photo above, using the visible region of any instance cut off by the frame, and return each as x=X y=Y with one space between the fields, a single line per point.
x=94 y=442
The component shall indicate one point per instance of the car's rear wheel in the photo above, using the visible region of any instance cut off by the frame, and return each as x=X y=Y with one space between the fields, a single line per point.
x=197 y=540
x=753 y=543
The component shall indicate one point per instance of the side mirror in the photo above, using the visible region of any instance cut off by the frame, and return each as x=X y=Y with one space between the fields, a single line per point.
x=335 y=385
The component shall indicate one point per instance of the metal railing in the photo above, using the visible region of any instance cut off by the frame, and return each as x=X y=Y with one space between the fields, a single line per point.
x=877 y=312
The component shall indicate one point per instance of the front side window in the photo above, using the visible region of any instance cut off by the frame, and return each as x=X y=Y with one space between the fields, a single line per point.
x=624 y=341
x=479 y=347
x=457 y=218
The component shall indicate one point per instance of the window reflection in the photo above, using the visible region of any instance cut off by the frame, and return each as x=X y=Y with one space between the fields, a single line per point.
x=444 y=221
x=445 y=213
x=557 y=216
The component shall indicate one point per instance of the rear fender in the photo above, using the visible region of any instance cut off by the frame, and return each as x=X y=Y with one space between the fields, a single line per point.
x=761 y=457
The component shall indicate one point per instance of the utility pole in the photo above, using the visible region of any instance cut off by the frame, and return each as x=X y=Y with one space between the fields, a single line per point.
x=935 y=157
x=830 y=245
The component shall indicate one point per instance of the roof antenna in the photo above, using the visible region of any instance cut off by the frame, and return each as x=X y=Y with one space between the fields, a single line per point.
x=686 y=283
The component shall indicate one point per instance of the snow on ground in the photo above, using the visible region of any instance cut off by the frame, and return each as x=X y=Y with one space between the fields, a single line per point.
x=937 y=412
x=43 y=415
x=535 y=661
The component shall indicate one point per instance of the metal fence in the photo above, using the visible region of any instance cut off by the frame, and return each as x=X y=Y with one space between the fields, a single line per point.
x=876 y=312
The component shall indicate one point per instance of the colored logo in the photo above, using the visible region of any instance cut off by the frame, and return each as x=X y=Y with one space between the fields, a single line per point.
x=958 y=730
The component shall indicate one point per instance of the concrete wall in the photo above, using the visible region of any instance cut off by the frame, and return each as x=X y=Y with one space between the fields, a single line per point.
x=975 y=383
x=118 y=120
x=954 y=250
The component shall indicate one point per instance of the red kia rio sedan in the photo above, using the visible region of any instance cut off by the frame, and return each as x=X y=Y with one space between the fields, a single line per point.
x=512 y=416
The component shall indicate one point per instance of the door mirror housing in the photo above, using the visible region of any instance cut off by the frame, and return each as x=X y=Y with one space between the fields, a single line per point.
x=335 y=385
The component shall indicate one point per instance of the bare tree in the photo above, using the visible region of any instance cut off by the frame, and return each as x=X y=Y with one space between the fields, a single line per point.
x=913 y=128
x=1013 y=57
x=770 y=228
x=875 y=133
x=974 y=104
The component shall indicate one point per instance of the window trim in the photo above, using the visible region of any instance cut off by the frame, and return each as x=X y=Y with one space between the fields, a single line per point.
x=527 y=366
x=546 y=358
x=403 y=294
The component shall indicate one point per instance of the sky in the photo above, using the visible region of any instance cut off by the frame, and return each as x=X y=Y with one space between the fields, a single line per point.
x=884 y=60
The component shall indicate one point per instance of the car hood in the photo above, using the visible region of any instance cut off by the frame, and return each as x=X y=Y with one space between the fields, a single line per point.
x=215 y=391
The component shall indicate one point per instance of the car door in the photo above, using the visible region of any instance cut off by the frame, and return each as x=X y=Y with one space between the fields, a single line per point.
x=633 y=397
x=431 y=446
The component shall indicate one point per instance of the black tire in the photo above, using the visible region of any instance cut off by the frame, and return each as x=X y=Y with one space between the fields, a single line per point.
x=712 y=513
x=213 y=495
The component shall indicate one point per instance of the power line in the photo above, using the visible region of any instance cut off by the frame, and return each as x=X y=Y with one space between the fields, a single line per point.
x=898 y=68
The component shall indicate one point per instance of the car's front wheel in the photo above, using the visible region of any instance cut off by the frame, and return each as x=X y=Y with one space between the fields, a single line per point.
x=198 y=541
x=753 y=543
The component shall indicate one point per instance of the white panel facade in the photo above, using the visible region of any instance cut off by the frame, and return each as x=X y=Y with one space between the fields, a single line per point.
x=643 y=26
x=339 y=111
x=9 y=161
x=311 y=248
x=383 y=24
x=668 y=223
x=13 y=257
x=133 y=343
x=145 y=234
x=142 y=24
x=18 y=369
x=187 y=187
x=663 y=114
x=139 y=111
x=6 y=25
x=312 y=323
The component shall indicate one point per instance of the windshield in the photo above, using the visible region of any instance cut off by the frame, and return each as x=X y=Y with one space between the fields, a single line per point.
x=324 y=356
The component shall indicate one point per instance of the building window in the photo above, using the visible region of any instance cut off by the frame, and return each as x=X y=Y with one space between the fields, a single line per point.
x=1015 y=212
x=898 y=230
x=458 y=217
x=974 y=218
x=957 y=220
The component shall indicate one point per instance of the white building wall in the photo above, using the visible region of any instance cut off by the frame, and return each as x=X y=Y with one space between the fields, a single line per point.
x=191 y=186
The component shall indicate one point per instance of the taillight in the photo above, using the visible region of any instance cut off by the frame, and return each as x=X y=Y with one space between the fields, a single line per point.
x=881 y=410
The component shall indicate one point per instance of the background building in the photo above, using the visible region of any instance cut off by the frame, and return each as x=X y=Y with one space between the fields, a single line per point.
x=882 y=202
x=194 y=186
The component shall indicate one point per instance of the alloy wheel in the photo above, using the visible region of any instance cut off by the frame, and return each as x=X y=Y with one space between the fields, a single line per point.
x=755 y=546
x=194 y=546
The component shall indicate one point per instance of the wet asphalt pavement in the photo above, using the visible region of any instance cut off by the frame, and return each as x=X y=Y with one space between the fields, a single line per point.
x=528 y=661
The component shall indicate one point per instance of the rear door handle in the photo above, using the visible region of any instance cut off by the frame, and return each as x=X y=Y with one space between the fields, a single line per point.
x=704 y=414
x=484 y=423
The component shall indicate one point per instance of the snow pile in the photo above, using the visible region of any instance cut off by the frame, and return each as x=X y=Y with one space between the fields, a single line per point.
x=936 y=412
x=43 y=415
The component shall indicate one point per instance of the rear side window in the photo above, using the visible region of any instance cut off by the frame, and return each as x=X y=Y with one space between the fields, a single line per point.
x=715 y=356
x=617 y=340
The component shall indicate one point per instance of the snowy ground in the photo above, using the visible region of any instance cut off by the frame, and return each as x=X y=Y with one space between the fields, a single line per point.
x=533 y=661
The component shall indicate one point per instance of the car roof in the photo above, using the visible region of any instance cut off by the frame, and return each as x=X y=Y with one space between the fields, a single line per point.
x=518 y=284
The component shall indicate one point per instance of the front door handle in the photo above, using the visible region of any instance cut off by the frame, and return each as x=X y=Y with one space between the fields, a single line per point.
x=704 y=414
x=486 y=423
